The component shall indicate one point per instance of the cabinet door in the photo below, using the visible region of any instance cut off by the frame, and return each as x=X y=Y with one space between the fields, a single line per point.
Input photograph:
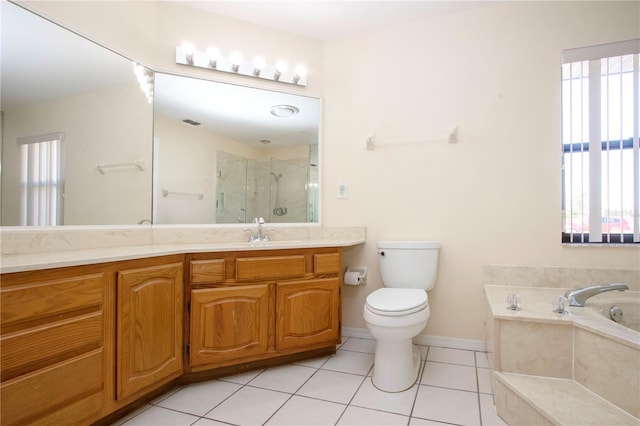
x=149 y=326
x=307 y=313
x=228 y=323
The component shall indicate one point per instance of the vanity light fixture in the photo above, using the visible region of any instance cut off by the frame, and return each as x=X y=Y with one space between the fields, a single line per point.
x=284 y=110
x=235 y=63
x=145 y=80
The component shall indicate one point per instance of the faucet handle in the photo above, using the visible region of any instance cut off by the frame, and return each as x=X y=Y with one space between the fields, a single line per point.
x=265 y=234
x=252 y=236
x=513 y=301
x=260 y=220
x=560 y=305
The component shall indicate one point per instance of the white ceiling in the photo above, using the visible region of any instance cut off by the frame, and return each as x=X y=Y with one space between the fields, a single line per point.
x=329 y=19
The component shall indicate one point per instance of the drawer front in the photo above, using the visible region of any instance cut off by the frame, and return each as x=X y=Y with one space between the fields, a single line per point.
x=50 y=298
x=270 y=268
x=32 y=349
x=207 y=271
x=327 y=263
x=79 y=392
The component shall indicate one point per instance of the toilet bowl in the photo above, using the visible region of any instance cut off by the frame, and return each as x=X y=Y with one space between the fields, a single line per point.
x=395 y=314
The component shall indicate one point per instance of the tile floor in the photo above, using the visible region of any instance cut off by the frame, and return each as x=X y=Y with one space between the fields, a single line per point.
x=452 y=388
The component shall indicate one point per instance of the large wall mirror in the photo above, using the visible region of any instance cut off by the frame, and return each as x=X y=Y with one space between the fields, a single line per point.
x=229 y=154
x=83 y=145
x=77 y=129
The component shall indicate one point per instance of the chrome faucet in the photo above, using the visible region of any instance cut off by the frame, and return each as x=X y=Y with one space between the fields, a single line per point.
x=260 y=235
x=579 y=296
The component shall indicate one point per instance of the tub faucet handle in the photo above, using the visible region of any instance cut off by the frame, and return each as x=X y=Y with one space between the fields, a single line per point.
x=513 y=301
x=560 y=305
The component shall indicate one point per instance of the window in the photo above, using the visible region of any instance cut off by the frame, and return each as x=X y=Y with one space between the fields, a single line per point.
x=600 y=161
x=40 y=180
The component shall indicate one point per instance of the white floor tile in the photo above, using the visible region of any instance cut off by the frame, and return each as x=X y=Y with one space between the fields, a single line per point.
x=284 y=378
x=482 y=360
x=368 y=396
x=447 y=405
x=359 y=345
x=451 y=356
x=158 y=416
x=209 y=422
x=484 y=380
x=331 y=386
x=423 y=351
x=451 y=376
x=423 y=422
x=350 y=362
x=488 y=412
x=242 y=378
x=313 y=362
x=199 y=398
x=249 y=406
x=300 y=410
x=367 y=417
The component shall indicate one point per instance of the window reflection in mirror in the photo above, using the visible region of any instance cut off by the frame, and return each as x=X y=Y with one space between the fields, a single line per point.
x=55 y=82
x=227 y=154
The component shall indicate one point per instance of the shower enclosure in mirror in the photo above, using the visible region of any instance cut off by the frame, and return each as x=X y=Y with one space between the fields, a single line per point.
x=227 y=154
x=277 y=190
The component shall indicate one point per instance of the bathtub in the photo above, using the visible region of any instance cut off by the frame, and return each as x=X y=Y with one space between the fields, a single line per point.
x=622 y=308
x=584 y=345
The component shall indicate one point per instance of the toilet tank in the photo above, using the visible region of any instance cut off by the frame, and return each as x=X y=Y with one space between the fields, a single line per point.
x=408 y=264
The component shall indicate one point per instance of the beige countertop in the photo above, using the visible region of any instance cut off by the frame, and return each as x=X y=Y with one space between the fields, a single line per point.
x=536 y=306
x=36 y=261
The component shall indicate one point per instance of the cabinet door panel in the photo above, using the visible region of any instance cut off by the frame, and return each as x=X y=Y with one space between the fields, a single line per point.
x=308 y=313
x=149 y=326
x=228 y=323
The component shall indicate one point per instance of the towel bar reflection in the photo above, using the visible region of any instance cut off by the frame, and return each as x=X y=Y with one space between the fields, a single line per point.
x=166 y=193
x=107 y=168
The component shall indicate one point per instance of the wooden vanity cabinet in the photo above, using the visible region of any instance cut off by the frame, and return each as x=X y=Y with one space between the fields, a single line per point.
x=259 y=305
x=81 y=342
x=57 y=345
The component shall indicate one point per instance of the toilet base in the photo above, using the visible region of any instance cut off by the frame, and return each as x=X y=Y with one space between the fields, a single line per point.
x=396 y=365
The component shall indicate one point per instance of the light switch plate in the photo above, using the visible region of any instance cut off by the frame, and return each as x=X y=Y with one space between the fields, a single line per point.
x=342 y=190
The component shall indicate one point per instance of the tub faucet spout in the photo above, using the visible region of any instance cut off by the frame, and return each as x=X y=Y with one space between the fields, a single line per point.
x=579 y=296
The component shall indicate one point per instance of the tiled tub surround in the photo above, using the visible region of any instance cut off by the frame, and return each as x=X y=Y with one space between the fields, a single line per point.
x=26 y=248
x=578 y=368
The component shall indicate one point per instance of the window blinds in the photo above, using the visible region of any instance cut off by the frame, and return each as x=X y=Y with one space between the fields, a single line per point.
x=601 y=161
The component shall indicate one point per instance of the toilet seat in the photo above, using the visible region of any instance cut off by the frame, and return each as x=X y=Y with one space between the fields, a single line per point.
x=397 y=301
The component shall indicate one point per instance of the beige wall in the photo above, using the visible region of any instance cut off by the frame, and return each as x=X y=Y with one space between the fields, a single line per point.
x=494 y=198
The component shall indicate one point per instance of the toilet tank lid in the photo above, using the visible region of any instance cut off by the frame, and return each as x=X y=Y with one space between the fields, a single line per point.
x=408 y=244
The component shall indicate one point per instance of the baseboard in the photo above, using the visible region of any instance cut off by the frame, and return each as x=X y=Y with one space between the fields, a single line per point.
x=425 y=339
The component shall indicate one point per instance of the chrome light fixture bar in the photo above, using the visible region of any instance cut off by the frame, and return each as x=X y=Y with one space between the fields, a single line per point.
x=212 y=59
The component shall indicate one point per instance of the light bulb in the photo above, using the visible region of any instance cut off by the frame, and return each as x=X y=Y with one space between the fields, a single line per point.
x=236 y=60
x=258 y=65
x=300 y=72
x=188 y=49
x=213 y=54
x=281 y=67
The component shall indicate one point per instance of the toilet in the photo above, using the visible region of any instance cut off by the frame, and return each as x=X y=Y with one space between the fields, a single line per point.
x=399 y=311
